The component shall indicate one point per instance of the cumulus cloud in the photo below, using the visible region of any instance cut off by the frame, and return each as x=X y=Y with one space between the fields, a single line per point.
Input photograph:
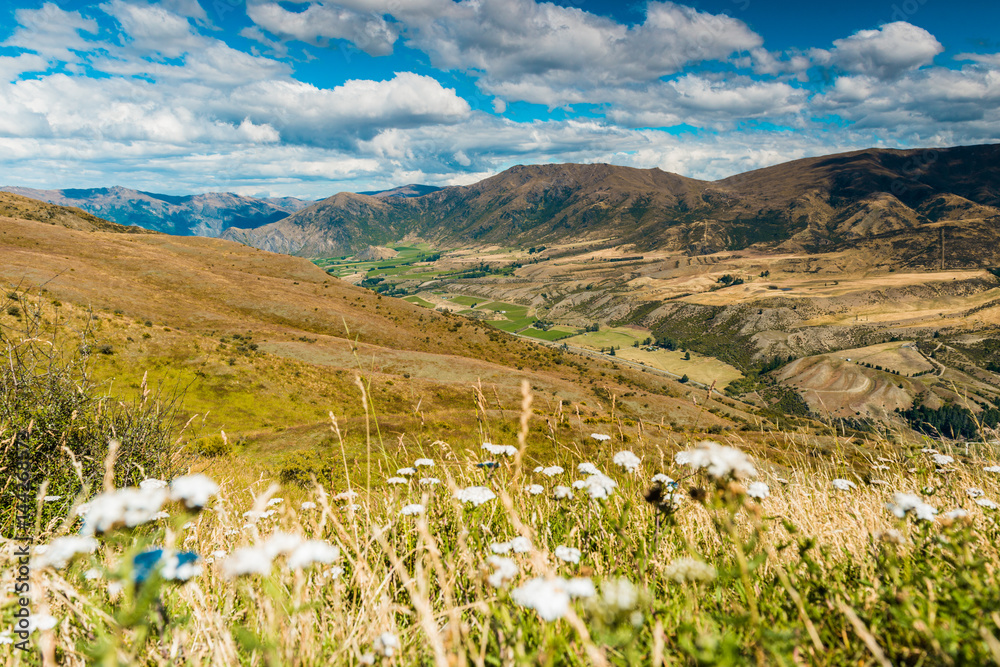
x=930 y=105
x=704 y=101
x=884 y=53
x=521 y=49
x=51 y=32
x=319 y=23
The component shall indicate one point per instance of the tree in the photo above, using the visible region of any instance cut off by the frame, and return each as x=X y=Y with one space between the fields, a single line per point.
x=687 y=356
x=684 y=379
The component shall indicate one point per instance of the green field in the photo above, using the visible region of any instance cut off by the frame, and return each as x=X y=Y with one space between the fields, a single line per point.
x=512 y=311
x=555 y=333
x=399 y=265
x=463 y=300
x=418 y=301
x=515 y=325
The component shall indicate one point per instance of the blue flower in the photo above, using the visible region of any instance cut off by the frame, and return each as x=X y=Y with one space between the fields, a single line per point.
x=172 y=566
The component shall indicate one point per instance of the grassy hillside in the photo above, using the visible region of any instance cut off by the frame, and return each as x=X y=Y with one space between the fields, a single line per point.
x=264 y=346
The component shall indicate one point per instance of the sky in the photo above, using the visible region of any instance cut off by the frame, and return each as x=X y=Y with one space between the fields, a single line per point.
x=307 y=98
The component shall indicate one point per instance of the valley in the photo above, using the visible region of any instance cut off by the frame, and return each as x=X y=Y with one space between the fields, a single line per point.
x=731 y=314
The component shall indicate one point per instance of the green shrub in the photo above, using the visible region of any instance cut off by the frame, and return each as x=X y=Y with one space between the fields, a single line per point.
x=301 y=468
x=212 y=446
x=52 y=412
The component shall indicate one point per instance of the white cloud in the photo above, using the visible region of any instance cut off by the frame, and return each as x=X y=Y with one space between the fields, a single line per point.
x=319 y=23
x=51 y=32
x=152 y=29
x=521 y=49
x=930 y=105
x=12 y=67
x=307 y=114
x=884 y=53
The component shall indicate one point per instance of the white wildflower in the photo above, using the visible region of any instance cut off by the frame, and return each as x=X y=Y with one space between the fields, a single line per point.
x=562 y=492
x=279 y=543
x=620 y=594
x=504 y=570
x=429 y=481
x=193 y=490
x=477 y=495
x=51 y=499
x=905 y=503
x=600 y=437
x=929 y=450
x=60 y=551
x=6 y=638
x=386 y=644
x=41 y=622
x=974 y=493
x=587 y=468
x=247 y=561
x=662 y=479
x=843 y=484
x=175 y=568
x=275 y=501
x=689 y=569
x=518 y=545
x=550 y=471
x=567 y=554
x=758 y=490
x=957 y=513
x=397 y=480
x=942 y=459
x=535 y=489
x=992 y=469
x=627 y=460
x=311 y=552
x=987 y=503
x=92 y=573
x=406 y=471
x=550 y=598
x=308 y=505
x=599 y=486
x=496 y=450
x=412 y=509
x=419 y=463
x=346 y=495
x=130 y=507
x=152 y=483
x=719 y=461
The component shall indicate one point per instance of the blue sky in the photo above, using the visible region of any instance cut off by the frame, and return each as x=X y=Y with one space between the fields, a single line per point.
x=307 y=98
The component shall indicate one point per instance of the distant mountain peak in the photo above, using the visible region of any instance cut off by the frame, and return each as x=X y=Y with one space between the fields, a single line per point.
x=801 y=206
x=411 y=190
x=205 y=214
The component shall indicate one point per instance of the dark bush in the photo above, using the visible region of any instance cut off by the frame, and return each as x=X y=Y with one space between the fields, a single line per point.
x=52 y=412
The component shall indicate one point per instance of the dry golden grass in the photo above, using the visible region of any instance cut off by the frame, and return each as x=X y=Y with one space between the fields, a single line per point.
x=424 y=578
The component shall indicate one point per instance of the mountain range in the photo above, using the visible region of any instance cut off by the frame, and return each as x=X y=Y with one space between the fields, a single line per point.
x=189 y=215
x=815 y=204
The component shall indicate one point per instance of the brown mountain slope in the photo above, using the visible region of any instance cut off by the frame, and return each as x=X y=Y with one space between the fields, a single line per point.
x=810 y=204
x=253 y=335
x=24 y=208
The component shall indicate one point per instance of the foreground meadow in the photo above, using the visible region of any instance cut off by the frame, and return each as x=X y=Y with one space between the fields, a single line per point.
x=657 y=551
